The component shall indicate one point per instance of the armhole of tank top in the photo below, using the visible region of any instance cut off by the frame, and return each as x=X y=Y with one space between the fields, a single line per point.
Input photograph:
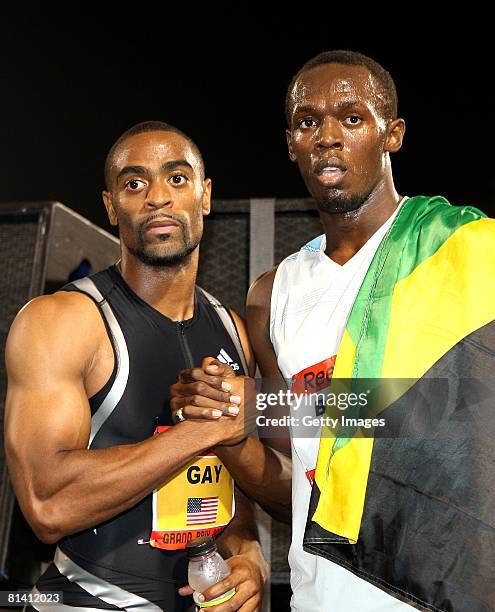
x=103 y=390
x=234 y=325
x=216 y=304
x=227 y=310
x=236 y=331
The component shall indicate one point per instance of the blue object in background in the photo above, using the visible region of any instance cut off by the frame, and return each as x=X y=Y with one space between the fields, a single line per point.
x=82 y=270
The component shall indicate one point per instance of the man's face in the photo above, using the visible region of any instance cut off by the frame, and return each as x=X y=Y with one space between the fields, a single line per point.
x=157 y=197
x=338 y=135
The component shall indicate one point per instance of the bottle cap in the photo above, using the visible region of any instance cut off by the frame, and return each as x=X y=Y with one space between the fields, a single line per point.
x=200 y=546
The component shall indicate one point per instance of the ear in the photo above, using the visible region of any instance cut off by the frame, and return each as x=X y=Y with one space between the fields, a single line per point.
x=288 y=135
x=107 y=200
x=206 y=203
x=395 y=135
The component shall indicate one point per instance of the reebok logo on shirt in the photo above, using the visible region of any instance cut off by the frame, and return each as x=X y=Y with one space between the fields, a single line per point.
x=314 y=378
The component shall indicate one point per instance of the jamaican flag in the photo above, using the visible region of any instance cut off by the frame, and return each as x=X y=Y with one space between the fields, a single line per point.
x=415 y=514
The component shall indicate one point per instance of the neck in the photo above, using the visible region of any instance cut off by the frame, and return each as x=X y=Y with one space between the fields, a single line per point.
x=346 y=233
x=169 y=289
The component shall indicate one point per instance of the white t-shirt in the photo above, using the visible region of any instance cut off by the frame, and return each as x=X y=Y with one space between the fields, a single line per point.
x=311 y=301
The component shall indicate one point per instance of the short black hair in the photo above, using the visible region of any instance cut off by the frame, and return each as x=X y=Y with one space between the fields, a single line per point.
x=351 y=58
x=149 y=126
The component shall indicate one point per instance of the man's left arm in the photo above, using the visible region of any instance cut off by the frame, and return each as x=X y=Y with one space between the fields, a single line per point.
x=239 y=546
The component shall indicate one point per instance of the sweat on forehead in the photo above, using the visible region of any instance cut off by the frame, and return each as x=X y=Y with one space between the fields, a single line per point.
x=349 y=63
x=339 y=82
x=153 y=148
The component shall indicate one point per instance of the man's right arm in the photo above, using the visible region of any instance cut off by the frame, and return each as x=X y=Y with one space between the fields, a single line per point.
x=63 y=487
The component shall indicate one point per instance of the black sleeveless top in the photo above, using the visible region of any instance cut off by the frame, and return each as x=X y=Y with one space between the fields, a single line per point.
x=149 y=351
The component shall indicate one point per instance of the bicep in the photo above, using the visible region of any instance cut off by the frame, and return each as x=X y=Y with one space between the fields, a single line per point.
x=46 y=408
x=41 y=421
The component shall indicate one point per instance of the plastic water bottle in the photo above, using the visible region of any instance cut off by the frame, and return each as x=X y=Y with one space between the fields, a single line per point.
x=206 y=568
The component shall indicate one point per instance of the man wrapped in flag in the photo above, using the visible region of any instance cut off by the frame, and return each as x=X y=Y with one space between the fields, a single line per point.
x=398 y=294
x=418 y=510
x=410 y=514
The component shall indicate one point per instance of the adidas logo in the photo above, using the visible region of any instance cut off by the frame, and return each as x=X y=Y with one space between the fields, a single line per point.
x=224 y=357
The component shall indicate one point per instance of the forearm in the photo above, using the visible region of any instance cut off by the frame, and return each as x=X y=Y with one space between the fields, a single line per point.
x=85 y=487
x=263 y=473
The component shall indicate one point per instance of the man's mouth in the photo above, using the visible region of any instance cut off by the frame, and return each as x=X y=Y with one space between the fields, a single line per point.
x=161 y=226
x=329 y=173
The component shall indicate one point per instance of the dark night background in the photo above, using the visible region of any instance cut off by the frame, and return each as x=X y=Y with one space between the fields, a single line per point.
x=72 y=84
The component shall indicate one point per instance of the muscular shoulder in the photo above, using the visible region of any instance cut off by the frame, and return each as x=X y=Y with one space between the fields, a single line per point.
x=63 y=327
x=260 y=292
x=63 y=311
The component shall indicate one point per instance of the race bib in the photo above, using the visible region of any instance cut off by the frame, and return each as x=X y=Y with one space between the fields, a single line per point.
x=198 y=501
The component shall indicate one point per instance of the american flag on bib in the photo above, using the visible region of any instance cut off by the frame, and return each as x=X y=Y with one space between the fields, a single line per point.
x=201 y=510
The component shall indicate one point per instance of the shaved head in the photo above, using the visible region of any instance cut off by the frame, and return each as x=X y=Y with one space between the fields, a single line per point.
x=140 y=128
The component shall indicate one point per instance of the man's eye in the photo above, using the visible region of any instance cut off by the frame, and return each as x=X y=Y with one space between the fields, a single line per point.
x=353 y=119
x=307 y=123
x=134 y=184
x=178 y=179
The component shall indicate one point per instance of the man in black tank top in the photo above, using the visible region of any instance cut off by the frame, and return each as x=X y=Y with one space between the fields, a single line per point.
x=97 y=463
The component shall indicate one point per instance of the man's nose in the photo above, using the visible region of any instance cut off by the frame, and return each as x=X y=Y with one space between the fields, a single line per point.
x=329 y=134
x=159 y=195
